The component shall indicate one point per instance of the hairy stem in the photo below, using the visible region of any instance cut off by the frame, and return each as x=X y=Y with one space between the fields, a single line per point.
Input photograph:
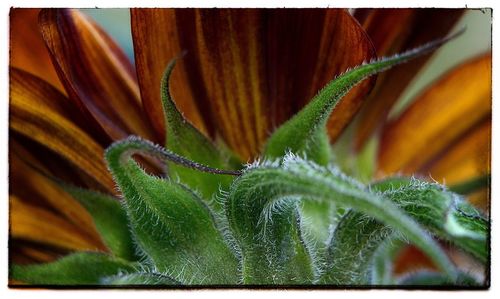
x=124 y=149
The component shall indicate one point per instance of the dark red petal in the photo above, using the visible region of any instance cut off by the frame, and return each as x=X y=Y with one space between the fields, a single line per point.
x=27 y=48
x=248 y=70
x=95 y=72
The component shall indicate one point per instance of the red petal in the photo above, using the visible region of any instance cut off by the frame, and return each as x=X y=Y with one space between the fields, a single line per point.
x=95 y=72
x=249 y=70
x=27 y=48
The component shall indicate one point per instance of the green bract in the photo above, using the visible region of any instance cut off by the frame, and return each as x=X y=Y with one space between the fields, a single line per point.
x=290 y=219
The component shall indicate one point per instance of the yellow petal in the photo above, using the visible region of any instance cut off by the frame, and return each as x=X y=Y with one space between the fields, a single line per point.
x=440 y=115
x=50 y=163
x=36 y=224
x=26 y=181
x=414 y=27
x=95 y=72
x=467 y=158
x=22 y=252
x=32 y=117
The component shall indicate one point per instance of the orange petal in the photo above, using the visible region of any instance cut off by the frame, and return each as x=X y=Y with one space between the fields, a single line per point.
x=32 y=117
x=95 y=72
x=51 y=97
x=445 y=111
x=36 y=224
x=50 y=163
x=351 y=47
x=411 y=259
x=27 y=48
x=26 y=180
x=414 y=27
x=467 y=158
x=156 y=42
x=249 y=70
x=29 y=253
x=481 y=199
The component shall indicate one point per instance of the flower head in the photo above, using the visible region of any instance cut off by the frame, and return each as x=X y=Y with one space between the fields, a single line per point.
x=245 y=73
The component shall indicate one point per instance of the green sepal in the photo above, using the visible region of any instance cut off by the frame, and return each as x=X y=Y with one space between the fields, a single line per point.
x=472 y=235
x=268 y=237
x=354 y=243
x=358 y=237
x=445 y=214
x=140 y=279
x=184 y=139
x=300 y=133
x=429 y=278
x=318 y=218
x=390 y=183
x=83 y=268
x=110 y=219
x=266 y=190
x=174 y=227
x=318 y=215
x=383 y=260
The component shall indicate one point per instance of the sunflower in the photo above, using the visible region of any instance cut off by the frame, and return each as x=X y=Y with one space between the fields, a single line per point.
x=244 y=72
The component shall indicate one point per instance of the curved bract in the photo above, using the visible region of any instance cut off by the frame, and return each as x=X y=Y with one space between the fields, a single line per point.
x=203 y=222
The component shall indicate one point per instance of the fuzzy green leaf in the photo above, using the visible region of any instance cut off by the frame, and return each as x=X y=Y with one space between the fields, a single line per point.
x=357 y=237
x=354 y=243
x=468 y=229
x=173 y=226
x=391 y=183
x=322 y=216
x=301 y=133
x=445 y=214
x=383 y=260
x=109 y=218
x=82 y=268
x=139 y=279
x=318 y=218
x=269 y=192
x=428 y=278
x=272 y=250
x=184 y=139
